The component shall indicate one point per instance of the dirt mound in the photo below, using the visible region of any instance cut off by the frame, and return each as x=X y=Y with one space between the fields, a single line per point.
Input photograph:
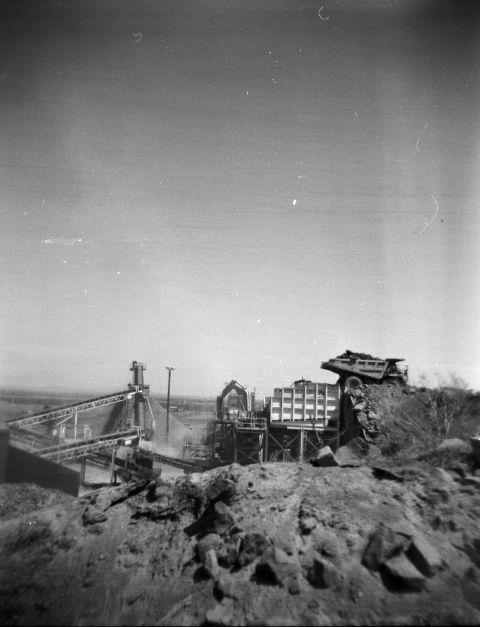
x=267 y=544
x=409 y=422
x=17 y=499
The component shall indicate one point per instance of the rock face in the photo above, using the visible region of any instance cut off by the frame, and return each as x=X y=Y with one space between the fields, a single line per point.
x=267 y=544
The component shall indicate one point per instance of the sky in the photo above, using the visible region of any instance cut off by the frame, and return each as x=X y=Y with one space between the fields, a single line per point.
x=240 y=189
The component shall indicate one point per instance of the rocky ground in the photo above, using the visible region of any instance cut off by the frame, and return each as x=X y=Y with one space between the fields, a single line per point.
x=357 y=542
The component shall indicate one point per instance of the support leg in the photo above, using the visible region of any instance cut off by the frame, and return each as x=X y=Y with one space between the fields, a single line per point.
x=83 y=465
x=112 y=467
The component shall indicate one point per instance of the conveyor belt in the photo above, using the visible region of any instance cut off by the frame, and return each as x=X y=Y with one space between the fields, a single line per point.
x=189 y=465
x=67 y=411
x=72 y=450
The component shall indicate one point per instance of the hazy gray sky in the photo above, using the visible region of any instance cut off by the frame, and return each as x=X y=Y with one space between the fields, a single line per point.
x=238 y=188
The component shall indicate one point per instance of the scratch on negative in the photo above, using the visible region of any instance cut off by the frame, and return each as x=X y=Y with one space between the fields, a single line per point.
x=428 y=223
x=320 y=14
x=425 y=126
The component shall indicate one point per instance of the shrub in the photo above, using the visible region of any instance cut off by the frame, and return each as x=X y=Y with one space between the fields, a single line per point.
x=426 y=417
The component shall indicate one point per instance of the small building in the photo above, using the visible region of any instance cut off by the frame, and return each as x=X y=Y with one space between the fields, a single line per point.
x=305 y=401
x=303 y=417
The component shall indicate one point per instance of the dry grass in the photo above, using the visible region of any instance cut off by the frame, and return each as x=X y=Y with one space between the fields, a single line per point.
x=423 y=419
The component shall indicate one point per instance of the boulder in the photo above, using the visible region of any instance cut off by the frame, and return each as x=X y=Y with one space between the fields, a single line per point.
x=307 y=524
x=210 y=541
x=222 y=517
x=253 y=546
x=266 y=572
x=360 y=406
x=324 y=457
x=383 y=544
x=221 y=614
x=210 y=564
x=278 y=568
x=221 y=488
x=402 y=574
x=226 y=586
x=92 y=516
x=356 y=393
x=385 y=473
x=424 y=556
x=281 y=557
x=441 y=475
x=227 y=554
x=323 y=574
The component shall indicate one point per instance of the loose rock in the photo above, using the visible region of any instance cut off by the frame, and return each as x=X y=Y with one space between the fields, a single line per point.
x=325 y=457
x=424 y=556
x=323 y=574
x=253 y=546
x=383 y=544
x=403 y=574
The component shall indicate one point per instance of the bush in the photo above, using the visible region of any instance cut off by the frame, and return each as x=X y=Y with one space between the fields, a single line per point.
x=423 y=419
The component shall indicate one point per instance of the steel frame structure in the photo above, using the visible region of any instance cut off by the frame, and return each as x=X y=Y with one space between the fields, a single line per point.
x=255 y=439
x=299 y=442
x=240 y=440
x=63 y=452
x=188 y=465
x=68 y=411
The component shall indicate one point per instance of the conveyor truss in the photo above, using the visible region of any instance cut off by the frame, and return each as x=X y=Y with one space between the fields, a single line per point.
x=24 y=431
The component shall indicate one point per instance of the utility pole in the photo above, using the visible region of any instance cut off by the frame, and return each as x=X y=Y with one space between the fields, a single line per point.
x=169 y=368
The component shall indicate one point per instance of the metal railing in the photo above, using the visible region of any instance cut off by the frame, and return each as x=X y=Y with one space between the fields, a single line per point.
x=245 y=422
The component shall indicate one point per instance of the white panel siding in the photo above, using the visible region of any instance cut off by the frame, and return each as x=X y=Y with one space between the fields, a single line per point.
x=319 y=402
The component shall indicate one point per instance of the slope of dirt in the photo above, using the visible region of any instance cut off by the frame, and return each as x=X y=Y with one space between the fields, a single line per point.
x=267 y=544
x=409 y=420
x=19 y=499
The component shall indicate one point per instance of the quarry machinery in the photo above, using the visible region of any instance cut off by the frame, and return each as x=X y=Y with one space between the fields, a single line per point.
x=355 y=369
x=137 y=392
x=120 y=429
x=141 y=392
x=293 y=424
x=239 y=435
x=235 y=400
